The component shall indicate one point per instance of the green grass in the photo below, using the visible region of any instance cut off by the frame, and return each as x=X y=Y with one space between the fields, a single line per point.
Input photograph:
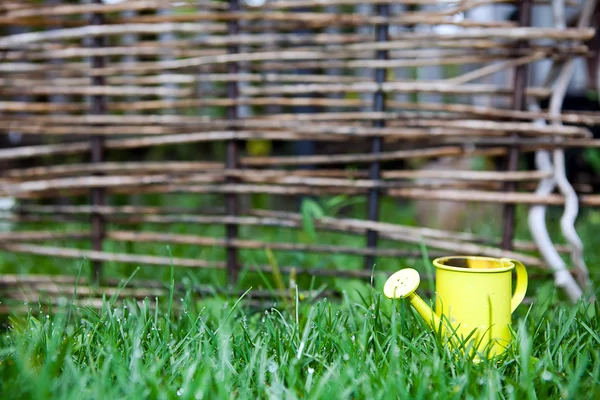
x=354 y=348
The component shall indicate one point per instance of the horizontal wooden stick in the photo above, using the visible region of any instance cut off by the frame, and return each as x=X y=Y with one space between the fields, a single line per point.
x=74 y=9
x=27 y=302
x=361 y=226
x=290 y=58
x=78 y=52
x=392 y=231
x=274 y=122
x=251 y=38
x=526 y=145
x=65 y=282
x=468 y=175
x=216 y=169
x=167 y=261
x=31 y=10
x=397 y=49
x=284 y=4
x=157 y=184
x=315 y=19
x=117 y=91
x=83 y=130
x=104 y=210
x=492 y=112
x=151 y=237
x=135 y=215
x=32 y=291
x=350 y=65
x=439 y=111
x=310 y=19
x=135 y=168
x=446 y=151
x=340 y=46
x=280 y=60
x=76 y=148
x=20 y=39
x=93 y=255
x=26 y=291
x=147 y=186
x=307 y=17
x=56 y=305
x=176 y=23
x=269 y=77
x=314 y=59
x=417 y=128
x=273 y=60
x=38 y=107
x=489 y=197
x=41 y=236
x=392 y=87
x=487 y=112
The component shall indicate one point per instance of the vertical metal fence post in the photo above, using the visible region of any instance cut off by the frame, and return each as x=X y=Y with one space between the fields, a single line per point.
x=382 y=35
x=232 y=157
x=518 y=100
x=98 y=107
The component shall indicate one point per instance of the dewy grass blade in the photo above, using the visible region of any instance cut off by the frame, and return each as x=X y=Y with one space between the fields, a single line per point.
x=122 y=286
x=307 y=326
x=427 y=263
x=72 y=305
x=591 y=332
x=233 y=308
x=563 y=328
x=171 y=283
x=296 y=308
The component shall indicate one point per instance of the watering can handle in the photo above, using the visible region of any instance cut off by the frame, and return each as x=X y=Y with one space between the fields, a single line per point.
x=521 y=286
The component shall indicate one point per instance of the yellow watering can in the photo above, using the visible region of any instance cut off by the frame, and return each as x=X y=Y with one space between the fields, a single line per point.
x=474 y=299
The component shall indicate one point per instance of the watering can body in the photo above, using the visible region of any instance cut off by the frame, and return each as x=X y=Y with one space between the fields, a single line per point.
x=474 y=299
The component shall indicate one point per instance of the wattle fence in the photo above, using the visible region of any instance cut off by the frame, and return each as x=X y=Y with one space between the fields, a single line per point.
x=106 y=105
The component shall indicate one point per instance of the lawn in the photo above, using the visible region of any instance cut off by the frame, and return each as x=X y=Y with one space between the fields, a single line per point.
x=361 y=345
x=368 y=348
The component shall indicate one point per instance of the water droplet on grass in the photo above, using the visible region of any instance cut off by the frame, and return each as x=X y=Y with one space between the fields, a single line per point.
x=180 y=392
x=546 y=375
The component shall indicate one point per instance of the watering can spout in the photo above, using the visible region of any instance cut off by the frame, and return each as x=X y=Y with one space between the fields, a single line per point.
x=403 y=285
